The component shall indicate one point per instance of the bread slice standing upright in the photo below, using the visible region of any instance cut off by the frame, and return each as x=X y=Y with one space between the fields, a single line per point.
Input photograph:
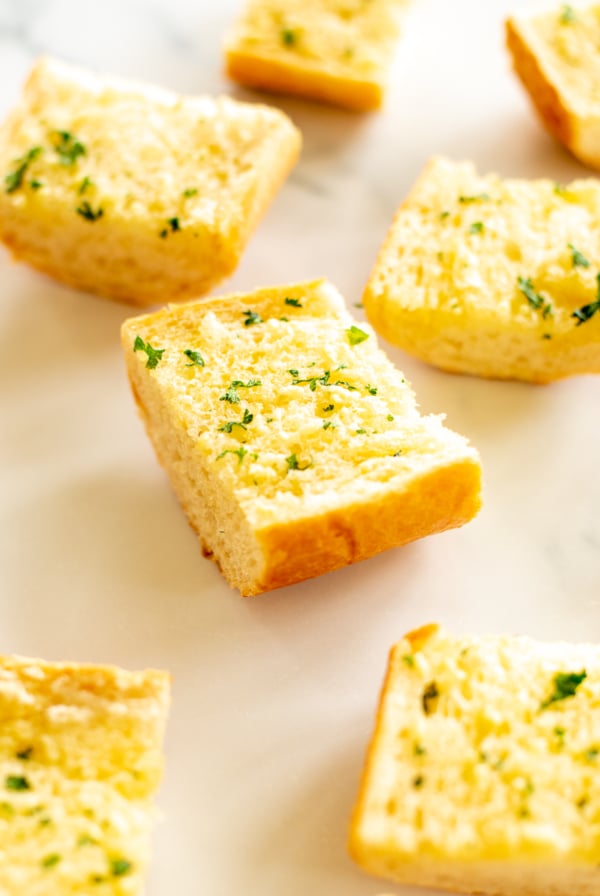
x=482 y=772
x=80 y=760
x=338 y=53
x=131 y=191
x=492 y=277
x=294 y=445
x=555 y=54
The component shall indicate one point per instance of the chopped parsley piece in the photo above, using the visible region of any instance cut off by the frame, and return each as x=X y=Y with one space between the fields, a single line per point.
x=418 y=781
x=174 y=224
x=346 y=385
x=17 y=782
x=356 y=335
x=313 y=381
x=430 y=698
x=358 y=305
x=536 y=301
x=579 y=260
x=328 y=407
x=560 y=189
x=231 y=394
x=294 y=464
x=592 y=755
x=361 y=432
x=120 y=867
x=560 y=735
x=419 y=749
x=240 y=453
x=243 y=423
x=390 y=418
x=587 y=311
x=68 y=148
x=481 y=197
x=14 y=179
x=252 y=317
x=51 y=861
x=372 y=390
x=328 y=423
x=153 y=355
x=409 y=660
x=546 y=335
x=476 y=227
x=567 y=15
x=565 y=686
x=36 y=184
x=196 y=359
x=444 y=215
x=295 y=303
x=86 y=840
x=25 y=754
x=191 y=191
x=86 y=211
x=289 y=37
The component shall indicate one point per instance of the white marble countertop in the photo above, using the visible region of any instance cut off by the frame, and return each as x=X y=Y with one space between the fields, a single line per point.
x=274 y=697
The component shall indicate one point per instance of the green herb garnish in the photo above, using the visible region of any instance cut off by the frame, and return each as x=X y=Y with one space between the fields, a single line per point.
x=587 y=311
x=565 y=686
x=16 y=782
x=25 y=754
x=476 y=227
x=36 y=184
x=196 y=359
x=444 y=215
x=174 y=224
x=592 y=755
x=51 y=861
x=567 y=15
x=85 y=184
x=231 y=395
x=418 y=782
x=243 y=423
x=313 y=381
x=14 y=179
x=86 y=211
x=191 y=191
x=481 y=197
x=240 y=453
x=120 y=867
x=372 y=390
x=252 y=317
x=356 y=335
x=419 y=750
x=289 y=37
x=68 y=148
x=579 y=260
x=329 y=423
x=430 y=698
x=409 y=660
x=294 y=464
x=153 y=355
x=536 y=301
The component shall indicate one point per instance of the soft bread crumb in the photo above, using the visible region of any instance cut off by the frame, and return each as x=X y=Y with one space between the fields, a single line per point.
x=131 y=191
x=294 y=445
x=80 y=760
x=334 y=51
x=555 y=54
x=481 y=772
x=492 y=277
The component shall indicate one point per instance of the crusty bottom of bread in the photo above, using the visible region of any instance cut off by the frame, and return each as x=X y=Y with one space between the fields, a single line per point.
x=276 y=76
x=445 y=497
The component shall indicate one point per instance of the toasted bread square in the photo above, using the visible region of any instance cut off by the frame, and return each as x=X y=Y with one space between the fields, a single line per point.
x=80 y=760
x=333 y=51
x=482 y=772
x=555 y=54
x=294 y=446
x=133 y=192
x=492 y=277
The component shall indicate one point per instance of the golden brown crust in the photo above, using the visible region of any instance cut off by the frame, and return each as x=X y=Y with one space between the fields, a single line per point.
x=443 y=499
x=537 y=81
x=276 y=76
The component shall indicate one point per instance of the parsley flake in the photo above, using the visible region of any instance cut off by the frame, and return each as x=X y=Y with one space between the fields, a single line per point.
x=536 y=301
x=68 y=148
x=85 y=184
x=476 y=227
x=36 y=184
x=567 y=15
x=14 y=179
x=419 y=749
x=25 y=754
x=565 y=686
x=191 y=191
x=579 y=260
x=243 y=423
x=289 y=37
x=16 y=782
x=329 y=424
x=86 y=211
x=481 y=197
x=153 y=355
x=196 y=359
x=294 y=464
x=240 y=453
x=418 y=782
x=295 y=303
x=252 y=317
x=173 y=225
x=120 y=867
x=51 y=861
x=372 y=390
x=409 y=660
x=356 y=335
x=430 y=698
x=587 y=311
x=231 y=395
